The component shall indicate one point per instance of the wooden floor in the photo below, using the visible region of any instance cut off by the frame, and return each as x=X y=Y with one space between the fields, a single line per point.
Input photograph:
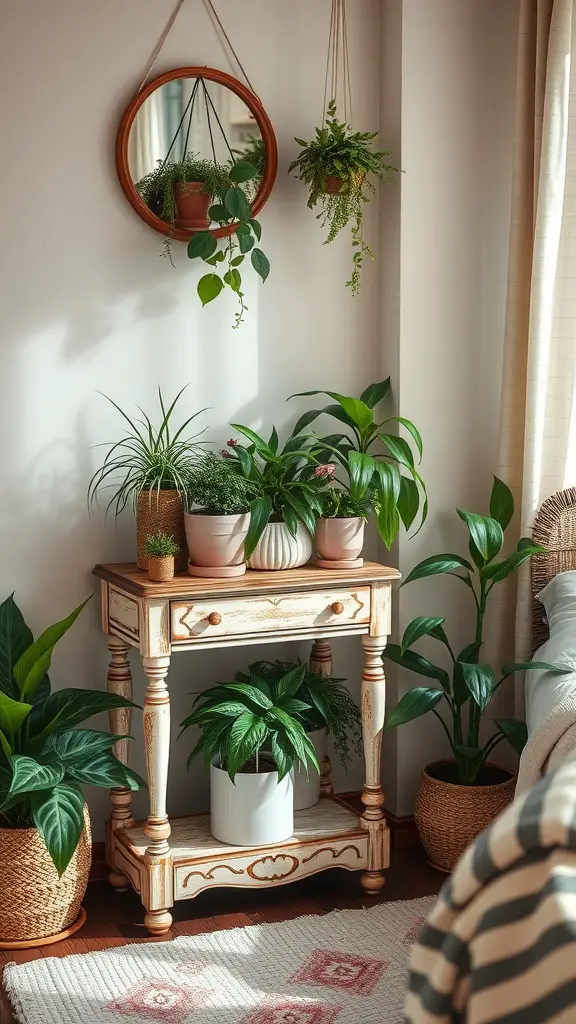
x=115 y=919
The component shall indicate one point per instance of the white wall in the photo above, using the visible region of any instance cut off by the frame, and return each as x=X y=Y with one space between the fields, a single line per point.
x=87 y=305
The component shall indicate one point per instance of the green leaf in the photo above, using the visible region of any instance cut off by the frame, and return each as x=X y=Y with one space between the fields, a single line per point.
x=218 y=213
x=408 y=501
x=416 y=663
x=501 y=503
x=260 y=512
x=273 y=441
x=237 y=261
x=302 y=510
x=290 y=683
x=15 y=639
x=59 y=817
x=468 y=654
x=209 y=288
x=242 y=171
x=411 y=430
x=283 y=754
x=242 y=229
x=259 y=443
x=374 y=393
x=388 y=523
x=33 y=664
x=245 y=243
x=72 y=745
x=233 y=279
x=246 y=737
x=469 y=761
x=260 y=263
x=29 y=775
x=256 y=228
x=305 y=419
x=485 y=533
x=515 y=732
x=531 y=666
x=105 y=770
x=435 y=565
x=424 y=625
x=5 y=746
x=357 y=411
x=361 y=468
x=202 y=245
x=12 y=714
x=68 y=707
x=498 y=571
x=253 y=693
x=413 y=704
x=399 y=449
x=479 y=681
x=237 y=204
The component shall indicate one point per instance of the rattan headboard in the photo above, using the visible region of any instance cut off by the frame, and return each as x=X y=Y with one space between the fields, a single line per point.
x=554 y=528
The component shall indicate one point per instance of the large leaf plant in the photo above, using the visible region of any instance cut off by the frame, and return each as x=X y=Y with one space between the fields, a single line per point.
x=468 y=687
x=44 y=759
x=379 y=466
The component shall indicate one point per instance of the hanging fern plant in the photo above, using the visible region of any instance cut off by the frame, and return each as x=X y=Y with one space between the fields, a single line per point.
x=339 y=166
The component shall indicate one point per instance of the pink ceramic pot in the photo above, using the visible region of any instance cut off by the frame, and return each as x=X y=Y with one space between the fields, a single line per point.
x=216 y=544
x=339 y=539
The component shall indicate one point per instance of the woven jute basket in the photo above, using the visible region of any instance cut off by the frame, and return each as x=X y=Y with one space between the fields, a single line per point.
x=450 y=816
x=34 y=902
x=160 y=510
x=160 y=568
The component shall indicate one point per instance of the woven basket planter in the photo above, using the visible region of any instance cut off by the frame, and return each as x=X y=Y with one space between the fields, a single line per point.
x=34 y=902
x=160 y=568
x=450 y=816
x=160 y=510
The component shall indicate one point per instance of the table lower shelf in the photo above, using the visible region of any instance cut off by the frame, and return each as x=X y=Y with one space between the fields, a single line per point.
x=328 y=835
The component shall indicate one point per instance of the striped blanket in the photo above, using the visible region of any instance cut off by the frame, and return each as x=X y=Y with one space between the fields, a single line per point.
x=500 y=945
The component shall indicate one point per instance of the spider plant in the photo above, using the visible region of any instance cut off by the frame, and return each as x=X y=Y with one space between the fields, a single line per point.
x=147 y=458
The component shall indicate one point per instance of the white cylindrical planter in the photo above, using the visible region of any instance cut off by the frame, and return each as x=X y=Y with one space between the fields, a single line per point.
x=216 y=544
x=339 y=541
x=278 y=549
x=307 y=790
x=255 y=810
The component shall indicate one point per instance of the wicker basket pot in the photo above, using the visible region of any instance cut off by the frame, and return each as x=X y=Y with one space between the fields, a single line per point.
x=34 y=902
x=449 y=816
x=160 y=568
x=160 y=510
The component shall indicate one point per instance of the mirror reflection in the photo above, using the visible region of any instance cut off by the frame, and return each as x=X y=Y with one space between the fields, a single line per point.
x=182 y=145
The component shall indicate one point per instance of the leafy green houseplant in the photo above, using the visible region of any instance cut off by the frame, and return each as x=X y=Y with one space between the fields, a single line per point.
x=234 y=213
x=217 y=489
x=45 y=759
x=337 y=165
x=158 y=187
x=217 y=517
x=468 y=686
x=161 y=549
x=148 y=470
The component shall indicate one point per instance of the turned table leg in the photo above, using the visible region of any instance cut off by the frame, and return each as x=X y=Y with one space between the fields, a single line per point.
x=321 y=664
x=159 y=895
x=373 y=711
x=119 y=682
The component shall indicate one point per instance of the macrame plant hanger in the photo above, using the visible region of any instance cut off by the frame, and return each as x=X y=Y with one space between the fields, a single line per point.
x=337 y=77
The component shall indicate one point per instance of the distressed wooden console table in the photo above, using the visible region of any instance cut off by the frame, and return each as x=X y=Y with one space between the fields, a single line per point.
x=165 y=863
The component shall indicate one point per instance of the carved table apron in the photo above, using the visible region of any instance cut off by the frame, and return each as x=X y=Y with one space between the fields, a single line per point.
x=167 y=861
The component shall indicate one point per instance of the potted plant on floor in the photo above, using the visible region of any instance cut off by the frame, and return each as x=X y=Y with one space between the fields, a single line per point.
x=282 y=516
x=251 y=739
x=378 y=467
x=181 y=191
x=161 y=548
x=153 y=464
x=340 y=529
x=217 y=518
x=459 y=797
x=337 y=166
x=45 y=846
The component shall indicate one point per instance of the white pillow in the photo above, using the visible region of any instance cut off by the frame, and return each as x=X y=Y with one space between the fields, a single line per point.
x=544 y=690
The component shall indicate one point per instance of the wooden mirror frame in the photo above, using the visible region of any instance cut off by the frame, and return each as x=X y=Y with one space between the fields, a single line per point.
x=260 y=116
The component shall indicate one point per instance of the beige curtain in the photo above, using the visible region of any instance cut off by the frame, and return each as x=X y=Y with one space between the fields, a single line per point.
x=537 y=441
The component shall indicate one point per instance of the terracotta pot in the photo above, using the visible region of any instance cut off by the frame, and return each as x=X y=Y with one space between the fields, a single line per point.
x=160 y=510
x=34 y=902
x=278 y=549
x=450 y=816
x=192 y=205
x=333 y=184
x=338 y=539
x=216 y=543
x=160 y=568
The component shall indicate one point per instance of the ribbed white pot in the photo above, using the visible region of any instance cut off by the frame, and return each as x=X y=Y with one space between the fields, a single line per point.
x=278 y=549
x=339 y=539
x=254 y=810
x=307 y=790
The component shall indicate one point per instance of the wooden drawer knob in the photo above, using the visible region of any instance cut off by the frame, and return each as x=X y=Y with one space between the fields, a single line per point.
x=337 y=607
x=214 y=618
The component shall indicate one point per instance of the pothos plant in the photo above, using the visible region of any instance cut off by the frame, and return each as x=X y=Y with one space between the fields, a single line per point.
x=336 y=165
x=467 y=689
x=233 y=212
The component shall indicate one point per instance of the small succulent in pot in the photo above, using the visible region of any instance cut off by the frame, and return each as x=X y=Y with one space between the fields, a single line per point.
x=337 y=165
x=217 y=517
x=161 y=549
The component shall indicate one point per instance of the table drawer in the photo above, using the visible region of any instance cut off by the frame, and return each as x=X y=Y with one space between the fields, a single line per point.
x=206 y=619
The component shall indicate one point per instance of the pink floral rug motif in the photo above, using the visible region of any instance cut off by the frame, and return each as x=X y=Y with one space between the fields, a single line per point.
x=290 y=1012
x=331 y=969
x=158 y=1000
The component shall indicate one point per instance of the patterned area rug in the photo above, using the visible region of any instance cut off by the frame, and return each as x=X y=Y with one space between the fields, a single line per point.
x=348 y=967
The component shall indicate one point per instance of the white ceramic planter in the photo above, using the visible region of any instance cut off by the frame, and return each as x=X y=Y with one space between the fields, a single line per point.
x=278 y=549
x=255 y=810
x=216 y=544
x=307 y=790
x=339 y=539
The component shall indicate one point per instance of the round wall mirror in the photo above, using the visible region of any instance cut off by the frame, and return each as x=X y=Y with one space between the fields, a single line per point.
x=178 y=142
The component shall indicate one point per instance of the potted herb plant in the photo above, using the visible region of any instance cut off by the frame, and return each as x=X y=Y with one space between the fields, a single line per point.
x=161 y=548
x=379 y=467
x=181 y=191
x=45 y=848
x=459 y=797
x=227 y=254
x=337 y=166
x=340 y=529
x=282 y=516
x=251 y=739
x=149 y=468
x=218 y=517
